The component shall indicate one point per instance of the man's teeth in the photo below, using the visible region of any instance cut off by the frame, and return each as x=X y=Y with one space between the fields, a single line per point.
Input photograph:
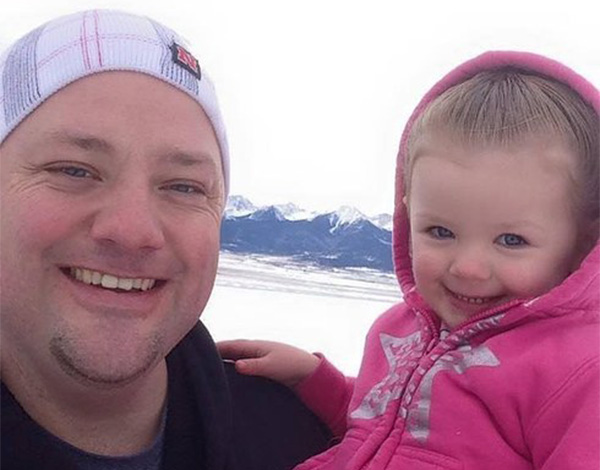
x=109 y=281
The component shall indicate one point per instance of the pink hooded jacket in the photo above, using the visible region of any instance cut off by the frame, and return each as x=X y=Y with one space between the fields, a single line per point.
x=516 y=388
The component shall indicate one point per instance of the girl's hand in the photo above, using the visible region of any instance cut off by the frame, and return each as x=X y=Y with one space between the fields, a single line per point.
x=281 y=362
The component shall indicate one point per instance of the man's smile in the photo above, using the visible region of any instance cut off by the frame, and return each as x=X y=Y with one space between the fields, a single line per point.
x=112 y=281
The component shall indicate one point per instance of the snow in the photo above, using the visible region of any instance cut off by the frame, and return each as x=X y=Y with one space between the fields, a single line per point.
x=345 y=215
x=267 y=213
x=238 y=206
x=383 y=221
x=328 y=311
x=292 y=212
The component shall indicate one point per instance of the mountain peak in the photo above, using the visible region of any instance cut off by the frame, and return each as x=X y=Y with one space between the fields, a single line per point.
x=267 y=213
x=344 y=238
x=291 y=211
x=238 y=206
x=345 y=215
x=383 y=221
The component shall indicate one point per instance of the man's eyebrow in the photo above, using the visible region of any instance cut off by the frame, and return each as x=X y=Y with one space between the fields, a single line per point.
x=189 y=159
x=83 y=141
x=93 y=143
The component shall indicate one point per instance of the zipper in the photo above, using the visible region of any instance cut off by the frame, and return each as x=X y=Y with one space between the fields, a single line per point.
x=431 y=327
x=486 y=313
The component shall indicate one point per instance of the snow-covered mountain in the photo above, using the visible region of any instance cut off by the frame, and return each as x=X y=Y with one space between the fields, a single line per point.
x=345 y=215
x=267 y=213
x=238 y=206
x=292 y=212
x=343 y=238
x=382 y=220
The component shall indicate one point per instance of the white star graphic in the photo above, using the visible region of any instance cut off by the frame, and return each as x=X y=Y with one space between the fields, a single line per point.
x=403 y=355
x=458 y=361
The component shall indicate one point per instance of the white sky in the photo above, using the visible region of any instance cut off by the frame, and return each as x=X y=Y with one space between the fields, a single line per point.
x=315 y=93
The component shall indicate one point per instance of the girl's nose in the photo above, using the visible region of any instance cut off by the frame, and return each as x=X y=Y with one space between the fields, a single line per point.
x=471 y=265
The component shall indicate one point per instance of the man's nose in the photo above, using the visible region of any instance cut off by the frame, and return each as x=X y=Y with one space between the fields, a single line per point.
x=472 y=264
x=129 y=219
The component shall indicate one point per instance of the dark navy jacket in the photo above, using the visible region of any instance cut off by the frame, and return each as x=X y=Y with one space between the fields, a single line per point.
x=216 y=420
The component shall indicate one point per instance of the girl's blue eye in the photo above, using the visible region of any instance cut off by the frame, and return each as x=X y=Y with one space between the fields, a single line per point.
x=440 y=232
x=511 y=240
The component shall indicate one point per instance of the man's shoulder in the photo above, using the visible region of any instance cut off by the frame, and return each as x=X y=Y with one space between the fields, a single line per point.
x=270 y=424
x=257 y=423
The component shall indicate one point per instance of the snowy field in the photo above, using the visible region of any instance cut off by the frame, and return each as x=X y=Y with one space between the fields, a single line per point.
x=325 y=310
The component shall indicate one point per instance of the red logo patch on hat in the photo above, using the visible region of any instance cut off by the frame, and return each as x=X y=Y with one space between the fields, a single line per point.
x=185 y=59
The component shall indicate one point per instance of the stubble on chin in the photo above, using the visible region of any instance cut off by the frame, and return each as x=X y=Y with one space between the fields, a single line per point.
x=75 y=364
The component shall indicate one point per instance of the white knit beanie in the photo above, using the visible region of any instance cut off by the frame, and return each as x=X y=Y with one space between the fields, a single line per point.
x=75 y=46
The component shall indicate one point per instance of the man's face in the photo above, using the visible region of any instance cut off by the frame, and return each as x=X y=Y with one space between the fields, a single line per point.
x=112 y=193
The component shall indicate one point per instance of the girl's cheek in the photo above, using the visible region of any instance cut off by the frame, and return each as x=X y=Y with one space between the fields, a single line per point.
x=427 y=265
x=529 y=281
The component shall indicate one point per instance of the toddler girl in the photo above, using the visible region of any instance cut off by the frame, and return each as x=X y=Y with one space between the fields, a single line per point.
x=491 y=361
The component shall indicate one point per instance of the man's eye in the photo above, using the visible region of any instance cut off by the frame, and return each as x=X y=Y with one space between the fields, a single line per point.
x=184 y=188
x=73 y=171
x=511 y=240
x=440 y=232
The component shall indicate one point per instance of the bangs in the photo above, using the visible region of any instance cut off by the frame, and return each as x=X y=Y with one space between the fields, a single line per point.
x=503 y=107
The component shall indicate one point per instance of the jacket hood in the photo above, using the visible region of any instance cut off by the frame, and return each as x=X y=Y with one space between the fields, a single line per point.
x=486 y=61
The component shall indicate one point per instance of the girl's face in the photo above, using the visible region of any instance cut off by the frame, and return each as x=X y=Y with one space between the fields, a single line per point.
x=490 y=225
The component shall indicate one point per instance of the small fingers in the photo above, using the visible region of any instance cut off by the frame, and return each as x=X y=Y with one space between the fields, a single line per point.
x=251 y=366
x=242 y=349
x=236 y=349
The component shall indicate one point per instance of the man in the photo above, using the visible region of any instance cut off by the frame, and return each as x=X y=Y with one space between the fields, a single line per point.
x=114 y=173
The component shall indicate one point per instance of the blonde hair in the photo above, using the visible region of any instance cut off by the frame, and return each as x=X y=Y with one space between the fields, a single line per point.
x=503 y=106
